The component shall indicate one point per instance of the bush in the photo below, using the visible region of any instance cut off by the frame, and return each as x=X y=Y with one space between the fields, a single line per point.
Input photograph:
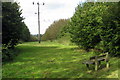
x=8 y=54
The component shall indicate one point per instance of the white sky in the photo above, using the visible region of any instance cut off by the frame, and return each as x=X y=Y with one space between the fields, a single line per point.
x=51 y=11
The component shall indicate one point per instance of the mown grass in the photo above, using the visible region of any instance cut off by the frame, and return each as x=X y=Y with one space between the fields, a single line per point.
x=54 y=60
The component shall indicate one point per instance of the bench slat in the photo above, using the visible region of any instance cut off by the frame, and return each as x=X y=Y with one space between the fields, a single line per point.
x=88 y=62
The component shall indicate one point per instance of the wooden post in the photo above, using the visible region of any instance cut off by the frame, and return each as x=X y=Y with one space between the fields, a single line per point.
x=107 y=60
x=96 y=64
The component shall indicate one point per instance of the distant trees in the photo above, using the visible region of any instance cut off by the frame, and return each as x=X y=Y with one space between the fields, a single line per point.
x=13 y=27
x=95 y=23
x=33 y=37
x=54 y=30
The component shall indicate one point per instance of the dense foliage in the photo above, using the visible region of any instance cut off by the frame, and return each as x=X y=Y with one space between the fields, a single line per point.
x=13 y=29
x=25 y=36
x=54 y=30
x=97 y=23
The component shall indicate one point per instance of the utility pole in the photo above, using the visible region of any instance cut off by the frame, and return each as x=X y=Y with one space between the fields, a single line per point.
x=39 y=37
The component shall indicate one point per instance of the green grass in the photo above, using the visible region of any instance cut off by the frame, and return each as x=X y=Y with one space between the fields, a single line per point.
x=54 y=60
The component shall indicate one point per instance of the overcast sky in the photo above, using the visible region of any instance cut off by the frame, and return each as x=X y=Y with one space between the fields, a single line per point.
x=52 y=10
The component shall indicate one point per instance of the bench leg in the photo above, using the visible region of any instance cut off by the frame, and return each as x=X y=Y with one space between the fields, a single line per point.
x=99 y=63
x=107 y=64
x=96 y=66
x=88 y=66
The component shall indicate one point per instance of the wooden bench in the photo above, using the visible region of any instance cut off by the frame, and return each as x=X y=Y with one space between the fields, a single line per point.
x=96 y=60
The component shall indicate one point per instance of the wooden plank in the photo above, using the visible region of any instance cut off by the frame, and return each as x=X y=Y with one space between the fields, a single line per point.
x=88 y=62
x=101 y=59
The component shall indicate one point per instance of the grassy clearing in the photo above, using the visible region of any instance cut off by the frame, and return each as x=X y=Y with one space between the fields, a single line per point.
x=54 y=60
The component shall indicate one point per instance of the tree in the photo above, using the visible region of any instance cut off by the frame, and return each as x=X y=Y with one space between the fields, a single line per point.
x=95 y=23
x=110 y=32
x=54 y=30
x=13 y=27
x=85 y=24
x=12 y=22
x=25 y=33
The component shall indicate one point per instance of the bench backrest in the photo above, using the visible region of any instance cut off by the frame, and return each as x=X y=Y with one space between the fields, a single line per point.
x=99 y=56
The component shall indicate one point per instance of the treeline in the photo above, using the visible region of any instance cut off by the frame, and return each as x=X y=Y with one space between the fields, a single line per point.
x=96 y=24
x=33 y=38
x=54 y=30
x=13 y=29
